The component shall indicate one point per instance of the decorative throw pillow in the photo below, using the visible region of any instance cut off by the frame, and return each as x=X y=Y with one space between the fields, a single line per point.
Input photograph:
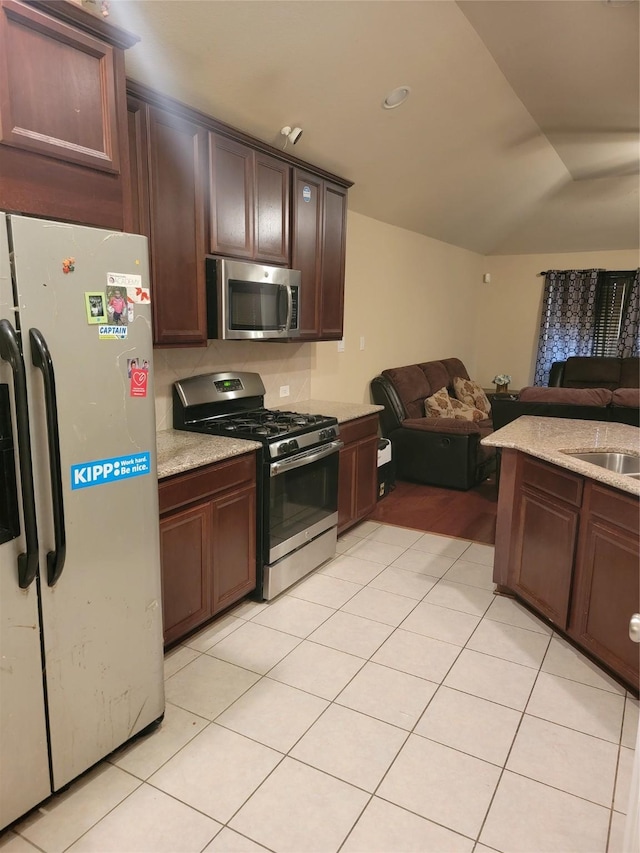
x=441 y=405
x=470 y=393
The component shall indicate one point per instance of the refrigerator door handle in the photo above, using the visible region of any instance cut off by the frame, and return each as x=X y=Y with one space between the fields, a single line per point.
x=41 y=358
x=10 y=351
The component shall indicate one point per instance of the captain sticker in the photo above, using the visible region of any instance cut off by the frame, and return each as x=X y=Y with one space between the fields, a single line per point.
x=104 y=471
x=119 y=332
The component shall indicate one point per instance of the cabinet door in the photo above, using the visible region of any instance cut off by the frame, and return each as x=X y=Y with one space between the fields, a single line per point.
x=542 y=562
x=306 y=249
x=272 y=188
x=607 y=586
x=186 y=570
x=63 y=145
x=137 y=125
x=333 y=258
x=358 y=472
x=231 y=168
x=69 y=114
x=366 y=476
x=176 y=158
x=233 y=546
x=347 y=481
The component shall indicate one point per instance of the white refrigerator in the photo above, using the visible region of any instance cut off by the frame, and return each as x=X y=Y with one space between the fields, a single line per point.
x=80 y=610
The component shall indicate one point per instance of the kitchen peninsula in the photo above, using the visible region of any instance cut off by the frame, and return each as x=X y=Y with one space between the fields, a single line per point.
x=567 y=533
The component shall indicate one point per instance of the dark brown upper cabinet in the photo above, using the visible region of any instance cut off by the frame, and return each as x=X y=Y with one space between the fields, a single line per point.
x=63 y=139
x=201 y=187
x=249 y=194
x=318 y=251
x=168 y=177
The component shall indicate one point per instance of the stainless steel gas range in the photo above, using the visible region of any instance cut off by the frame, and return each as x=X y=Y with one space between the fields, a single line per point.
x=298 y=472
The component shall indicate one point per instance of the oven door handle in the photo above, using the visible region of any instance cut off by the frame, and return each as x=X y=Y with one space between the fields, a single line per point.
x=304 y=458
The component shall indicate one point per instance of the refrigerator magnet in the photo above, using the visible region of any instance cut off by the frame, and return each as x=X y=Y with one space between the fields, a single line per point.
x=138 y=382
x=112 y=332
x=117 y=312
x=135 y=363
x=68 y=265
x=137 y=293
x=96 y=305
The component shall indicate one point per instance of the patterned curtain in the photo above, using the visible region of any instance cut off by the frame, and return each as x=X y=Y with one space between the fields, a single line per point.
x=568 y=316
x=629 y=341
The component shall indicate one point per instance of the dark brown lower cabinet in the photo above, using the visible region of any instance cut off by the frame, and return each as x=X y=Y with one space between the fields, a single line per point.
x=547 y=530
x=569 y=547
x=186 y=570
x=357 y=479
x=207 y=542
x=607 y=586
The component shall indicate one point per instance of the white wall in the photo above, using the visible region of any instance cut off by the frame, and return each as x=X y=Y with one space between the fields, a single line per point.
x=508 y=316
x=411 y=298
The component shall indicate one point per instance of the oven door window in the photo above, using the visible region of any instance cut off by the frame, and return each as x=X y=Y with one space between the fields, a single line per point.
x=301 y=499
x=256 y=307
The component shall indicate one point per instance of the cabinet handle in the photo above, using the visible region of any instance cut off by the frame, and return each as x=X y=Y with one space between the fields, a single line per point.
x=634 y=628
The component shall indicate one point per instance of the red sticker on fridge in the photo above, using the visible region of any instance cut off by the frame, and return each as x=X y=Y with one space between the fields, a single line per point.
x=138 y=386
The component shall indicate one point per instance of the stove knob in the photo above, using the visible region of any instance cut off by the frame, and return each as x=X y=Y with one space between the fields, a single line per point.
x=323 y=435
x=293 y=444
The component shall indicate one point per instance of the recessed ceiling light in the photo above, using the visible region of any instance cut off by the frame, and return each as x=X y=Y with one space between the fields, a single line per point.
x=396 y=97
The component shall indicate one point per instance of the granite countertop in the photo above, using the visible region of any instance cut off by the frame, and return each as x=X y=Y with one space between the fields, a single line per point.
x=551 y=438
x=342 y=411
x=180 y=451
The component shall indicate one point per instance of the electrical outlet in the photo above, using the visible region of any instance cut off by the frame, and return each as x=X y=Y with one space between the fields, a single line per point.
x=284 y=390
x=341 y=345
x=361 y=341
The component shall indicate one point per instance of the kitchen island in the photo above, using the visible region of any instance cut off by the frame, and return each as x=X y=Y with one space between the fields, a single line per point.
x=567 y=533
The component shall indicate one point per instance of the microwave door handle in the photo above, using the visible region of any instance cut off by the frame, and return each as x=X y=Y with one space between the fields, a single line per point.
x=41 y=358
x=287 y=325
x=10 y=351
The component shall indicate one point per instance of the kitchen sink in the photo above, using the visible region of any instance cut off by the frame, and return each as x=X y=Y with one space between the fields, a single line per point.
x=621 y=463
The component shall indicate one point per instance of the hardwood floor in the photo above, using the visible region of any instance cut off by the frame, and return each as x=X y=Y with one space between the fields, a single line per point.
x=467 y=515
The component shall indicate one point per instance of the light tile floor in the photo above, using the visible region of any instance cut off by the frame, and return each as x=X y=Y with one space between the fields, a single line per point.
x=389 y=702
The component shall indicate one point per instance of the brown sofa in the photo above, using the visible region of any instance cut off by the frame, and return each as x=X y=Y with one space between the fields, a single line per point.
x=437 y=451
x=595 y=372
x=586 y=388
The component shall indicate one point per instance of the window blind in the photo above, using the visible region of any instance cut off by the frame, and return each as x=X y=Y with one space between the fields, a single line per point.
x=612 y=291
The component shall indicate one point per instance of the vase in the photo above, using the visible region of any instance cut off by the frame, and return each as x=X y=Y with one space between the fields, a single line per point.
x=502 y=389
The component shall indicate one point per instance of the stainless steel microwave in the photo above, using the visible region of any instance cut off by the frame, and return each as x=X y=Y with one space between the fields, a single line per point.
x=248 y=301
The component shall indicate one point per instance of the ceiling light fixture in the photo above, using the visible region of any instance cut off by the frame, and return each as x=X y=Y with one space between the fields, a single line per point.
x=293 y=134
x=396 y=97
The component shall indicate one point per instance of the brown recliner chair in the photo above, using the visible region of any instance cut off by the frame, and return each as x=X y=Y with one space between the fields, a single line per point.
x=436 y=451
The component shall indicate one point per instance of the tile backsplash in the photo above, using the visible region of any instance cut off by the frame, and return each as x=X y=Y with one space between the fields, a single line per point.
x=278 y=364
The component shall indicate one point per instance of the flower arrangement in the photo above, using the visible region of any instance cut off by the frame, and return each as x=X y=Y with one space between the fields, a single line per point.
x=501 y=381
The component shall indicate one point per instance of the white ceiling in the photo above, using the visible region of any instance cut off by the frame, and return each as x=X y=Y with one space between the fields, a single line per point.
x=521 y=133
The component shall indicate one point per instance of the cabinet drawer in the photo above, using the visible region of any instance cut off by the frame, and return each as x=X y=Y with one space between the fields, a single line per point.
x=185 y=488
x=360 y=428
x=553 y=481
x=614 y=507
